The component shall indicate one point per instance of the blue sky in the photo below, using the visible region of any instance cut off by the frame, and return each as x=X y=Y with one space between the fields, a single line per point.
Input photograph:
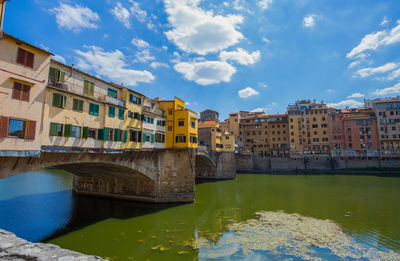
x=225 y=55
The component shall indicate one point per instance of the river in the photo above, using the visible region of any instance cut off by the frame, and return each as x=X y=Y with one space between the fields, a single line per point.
x=40 y=206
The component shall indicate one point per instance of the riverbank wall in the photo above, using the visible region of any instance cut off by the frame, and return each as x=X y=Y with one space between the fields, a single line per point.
x=324 y=163
x=15 y=248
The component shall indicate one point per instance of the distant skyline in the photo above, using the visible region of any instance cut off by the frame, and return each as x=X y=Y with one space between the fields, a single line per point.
x=225 y=55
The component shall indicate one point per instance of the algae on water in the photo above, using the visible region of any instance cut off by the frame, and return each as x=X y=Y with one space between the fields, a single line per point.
x=281 y=234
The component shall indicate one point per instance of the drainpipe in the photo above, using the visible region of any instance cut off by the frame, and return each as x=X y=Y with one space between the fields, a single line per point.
x=3 y=6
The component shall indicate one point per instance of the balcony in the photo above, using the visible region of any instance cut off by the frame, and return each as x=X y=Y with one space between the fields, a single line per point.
x=78 y=90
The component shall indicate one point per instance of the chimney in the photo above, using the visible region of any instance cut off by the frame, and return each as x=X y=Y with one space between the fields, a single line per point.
x=2 y=8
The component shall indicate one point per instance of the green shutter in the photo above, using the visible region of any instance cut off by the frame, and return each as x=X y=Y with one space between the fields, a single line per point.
x=117 y=136
x=62 y=76
x=67 y=130
x=105 y=134
x=86 y=88
x=63 y=100
x=53 y=129
x=121 y=113
x=125 y=135
x=111 y=111
x=85 y=132
x=100 y=134
x=56 y=100
x=52 y=74
x=162 y=138
x=152 y=138
x=80 y=106
x=91 y=89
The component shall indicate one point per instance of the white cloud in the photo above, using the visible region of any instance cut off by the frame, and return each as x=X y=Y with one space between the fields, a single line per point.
x=241 y=56
x=75 y=17
x=264 y=4
x=330 y=91
x=309 y=20
x=374 y=40
x=144 y=56
x=265 y=40
x=247 y=92
x=375 y=70
x=351 y=103
x=121 y=14
x=139 y=43
x=384 y=22
x=393 y=75
x=386 y=91
x=259 y=110
x=206 y=73
x=111 y=65
x=158 y=65
x=187 y=103
x=137 y=12
x=198 y=31
x=59 y=58
x=356 y=95
x=262 y=85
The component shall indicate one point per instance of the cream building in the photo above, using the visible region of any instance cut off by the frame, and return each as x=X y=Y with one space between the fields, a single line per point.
x=154 y=122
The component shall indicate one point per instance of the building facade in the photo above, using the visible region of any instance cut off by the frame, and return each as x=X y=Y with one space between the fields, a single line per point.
x=23 y=77
x=209 y=115
x=308 y=128
x=133 y=118
x=154 y=122
x=210 y=135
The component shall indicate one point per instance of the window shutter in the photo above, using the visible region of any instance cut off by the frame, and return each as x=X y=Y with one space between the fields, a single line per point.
x=30 y=130
x=16 y=94
x=100 y=134
x=62 y=76
x=116 y=132
x=80 y=105
x=56 y=100
x=140 y=101
x=67 y=130
x=53 y=74
x=162 y=138
x=53 y=129
x=21 y=56
x=91 y=89
x=85 y=132
x=29 y=60
x=139 y=136
x=26 y=90
x=64 y=100
x=125 y=135
x=4 y=126
x=176 y=139
x=105 y=138
x=152 y=138
x=86 y=88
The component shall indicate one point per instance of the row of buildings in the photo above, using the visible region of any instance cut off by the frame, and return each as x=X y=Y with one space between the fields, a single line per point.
x=310 y=128
x=48 y=106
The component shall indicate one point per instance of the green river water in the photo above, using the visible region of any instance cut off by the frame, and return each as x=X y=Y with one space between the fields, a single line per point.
x=365 y=207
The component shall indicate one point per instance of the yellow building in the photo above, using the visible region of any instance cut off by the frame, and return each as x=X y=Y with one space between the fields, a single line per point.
x=133 y=118
x=308 y=128
x=210 y=135
x=181 y=124
x=81 y=111
x=228 y=142
x=23 y=76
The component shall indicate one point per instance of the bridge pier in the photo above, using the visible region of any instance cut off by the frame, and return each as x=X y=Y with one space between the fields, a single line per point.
x=160 y=176
x=216 y=165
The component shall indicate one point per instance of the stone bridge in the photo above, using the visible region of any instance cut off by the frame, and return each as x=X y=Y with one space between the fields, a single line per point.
x=215 y=165
x=163 y=175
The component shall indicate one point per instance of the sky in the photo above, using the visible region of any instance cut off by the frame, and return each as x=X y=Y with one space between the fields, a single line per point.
x=225 y=55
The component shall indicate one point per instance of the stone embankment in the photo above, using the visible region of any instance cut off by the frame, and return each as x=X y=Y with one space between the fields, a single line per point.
x=14 y=248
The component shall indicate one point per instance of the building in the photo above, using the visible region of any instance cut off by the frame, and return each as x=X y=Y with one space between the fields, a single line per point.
x=133 y=118
x=227 y=141
x=81 y=111
x=23 y=77
x=387 y=111
x=210 y=135
x=308 y=128
x=181 y=124
x=154 y=122
x=353 y=132
x=265 y=135
x=209 y=115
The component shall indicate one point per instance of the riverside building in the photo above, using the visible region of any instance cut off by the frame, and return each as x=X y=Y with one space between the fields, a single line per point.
x=154 y=122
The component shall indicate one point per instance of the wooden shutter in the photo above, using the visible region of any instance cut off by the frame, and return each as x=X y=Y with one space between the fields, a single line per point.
x=139 y=136
x=100 y=134
x=85 y=132
x=56 y=100
x=16 y=94
x=152 y=138
x=105 y=138
x=86 y=88
x=53 y=74
x=80 y=105
x=117 y=136
x=91 y=89
x=162 y=138
x=4 y=126
x=53 y=129
x=67 y=130
x=30 y=130
x=125 y=135
x=140 y=101
x=26 y=90
x=62 y=76
x=21 y=56
x=29 y=59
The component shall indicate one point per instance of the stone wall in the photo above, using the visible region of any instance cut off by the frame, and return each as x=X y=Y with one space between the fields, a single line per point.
x=244 y=162
x=14 y=248
x=217 y=165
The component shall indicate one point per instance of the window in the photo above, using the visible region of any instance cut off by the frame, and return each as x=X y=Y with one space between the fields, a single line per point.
x=160 y=138
x=25 y=58
x=59 y=100
x=56 y=75
x=94 y=109
x=130 y=114
x=180 y=139
x=77 y=105
x=121 y=113
x=181 y=123
x=118 y=134
x=88 y=89
x=112 y=93
x=92 y=133
x=169 y=128
x=110 y=134
x=111 y=111
x=170 y=112
x=75 y=132
x=134 y=99
x=56 y=129
x=16 y=129
x=150 y=120
x=21 y=92
x=133 y=136
x=193 y=124
x=193 y=139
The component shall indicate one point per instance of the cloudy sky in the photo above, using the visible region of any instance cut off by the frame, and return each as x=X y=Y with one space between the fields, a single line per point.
x=225 y=55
